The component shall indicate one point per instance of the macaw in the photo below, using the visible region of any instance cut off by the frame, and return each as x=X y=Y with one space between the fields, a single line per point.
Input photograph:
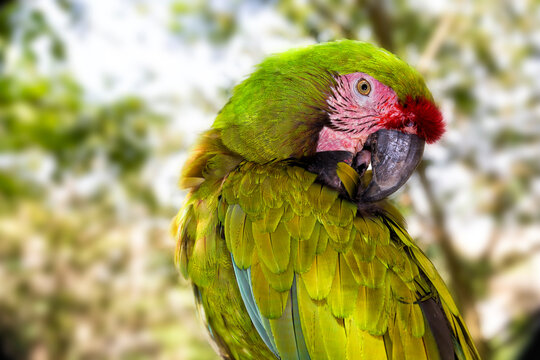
x=292 y=248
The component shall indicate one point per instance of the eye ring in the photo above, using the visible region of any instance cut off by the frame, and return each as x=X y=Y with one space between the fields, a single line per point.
x=363 y=87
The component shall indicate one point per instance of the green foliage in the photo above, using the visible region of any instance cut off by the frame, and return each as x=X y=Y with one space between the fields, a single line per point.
x=50 y=114
x=85 y=274
x=192 y=20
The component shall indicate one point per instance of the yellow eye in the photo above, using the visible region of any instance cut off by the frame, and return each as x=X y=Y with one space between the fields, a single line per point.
x=363 y=87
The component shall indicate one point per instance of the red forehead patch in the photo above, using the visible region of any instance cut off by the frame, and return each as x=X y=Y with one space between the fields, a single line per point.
x=422 y=113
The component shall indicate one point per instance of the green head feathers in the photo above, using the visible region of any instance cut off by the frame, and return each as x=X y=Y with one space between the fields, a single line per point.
x=279 y=110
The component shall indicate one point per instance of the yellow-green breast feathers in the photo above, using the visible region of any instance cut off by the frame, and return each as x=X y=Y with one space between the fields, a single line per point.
x=359 y=280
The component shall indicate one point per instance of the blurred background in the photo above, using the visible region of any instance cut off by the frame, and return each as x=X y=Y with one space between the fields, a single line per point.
x=100 y=100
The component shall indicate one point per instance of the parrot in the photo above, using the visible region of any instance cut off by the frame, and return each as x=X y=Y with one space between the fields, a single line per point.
x=287 y=235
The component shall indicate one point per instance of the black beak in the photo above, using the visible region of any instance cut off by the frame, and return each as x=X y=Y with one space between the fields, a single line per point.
x=394 y=156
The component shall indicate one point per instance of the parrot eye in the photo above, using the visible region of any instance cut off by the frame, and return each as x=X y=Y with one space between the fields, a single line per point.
x=363 y=87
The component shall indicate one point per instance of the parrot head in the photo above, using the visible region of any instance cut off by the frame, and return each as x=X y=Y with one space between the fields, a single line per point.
x=343 y=101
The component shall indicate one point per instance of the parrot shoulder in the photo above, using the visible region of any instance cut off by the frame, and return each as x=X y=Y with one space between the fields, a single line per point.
x=196 y=225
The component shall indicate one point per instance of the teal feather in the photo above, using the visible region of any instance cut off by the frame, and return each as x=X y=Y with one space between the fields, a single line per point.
x=243 y=279
x=284 y=333
x=299 y=335
x=288 y=331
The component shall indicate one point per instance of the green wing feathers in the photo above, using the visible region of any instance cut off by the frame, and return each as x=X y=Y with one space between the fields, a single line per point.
x=360 y=280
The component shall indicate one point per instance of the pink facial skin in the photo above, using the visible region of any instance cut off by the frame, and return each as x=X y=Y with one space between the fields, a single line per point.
x=353 y=116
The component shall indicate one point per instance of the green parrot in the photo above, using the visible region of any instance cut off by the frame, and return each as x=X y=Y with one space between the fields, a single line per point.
x=292 y=249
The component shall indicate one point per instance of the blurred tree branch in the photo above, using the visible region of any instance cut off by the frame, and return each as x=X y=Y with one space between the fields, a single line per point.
x=326 y=12
x=514 y=258
x=379 y=18
x=435 y=42
x=380 y=21
x=459 y=281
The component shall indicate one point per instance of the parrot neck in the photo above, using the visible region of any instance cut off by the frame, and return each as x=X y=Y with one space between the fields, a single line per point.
x=335 y=140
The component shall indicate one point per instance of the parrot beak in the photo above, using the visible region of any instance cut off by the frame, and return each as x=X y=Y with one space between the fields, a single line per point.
x=394 y=156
